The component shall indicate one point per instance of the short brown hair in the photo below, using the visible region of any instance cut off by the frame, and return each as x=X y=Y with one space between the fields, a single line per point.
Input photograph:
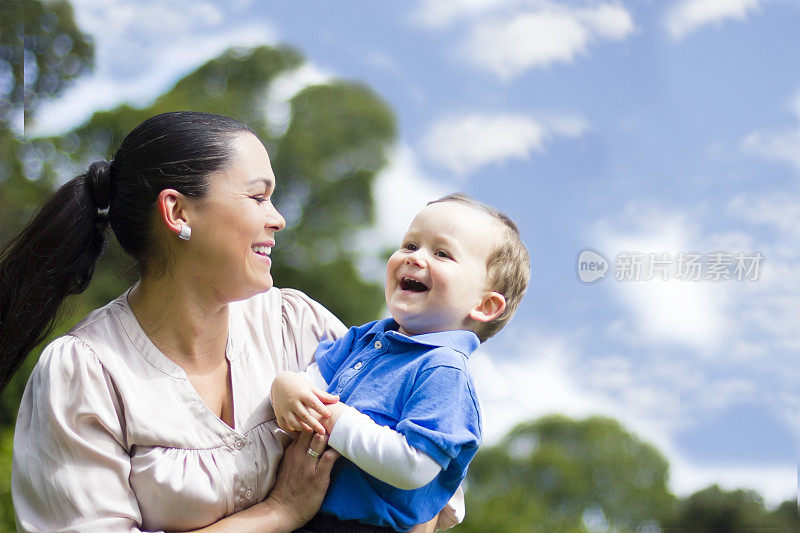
x=508 y=266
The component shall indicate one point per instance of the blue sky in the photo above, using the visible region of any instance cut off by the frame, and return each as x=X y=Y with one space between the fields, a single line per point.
x=636 y=126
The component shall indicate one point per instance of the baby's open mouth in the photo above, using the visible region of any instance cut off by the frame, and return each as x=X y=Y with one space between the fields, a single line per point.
x=410 y=284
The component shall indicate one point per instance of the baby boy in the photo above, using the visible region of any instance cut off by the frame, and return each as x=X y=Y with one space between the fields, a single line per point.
x=408 y=421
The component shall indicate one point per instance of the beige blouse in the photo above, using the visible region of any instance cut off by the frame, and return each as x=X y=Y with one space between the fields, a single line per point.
x=111 y=435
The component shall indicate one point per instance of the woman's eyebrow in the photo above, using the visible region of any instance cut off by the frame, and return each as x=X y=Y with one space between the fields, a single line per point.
x=269 y=183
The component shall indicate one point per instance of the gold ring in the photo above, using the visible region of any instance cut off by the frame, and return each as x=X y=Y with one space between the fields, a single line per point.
x=313 y=454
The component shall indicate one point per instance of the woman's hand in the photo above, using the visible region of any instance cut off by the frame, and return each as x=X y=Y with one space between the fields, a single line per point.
x=303 y=478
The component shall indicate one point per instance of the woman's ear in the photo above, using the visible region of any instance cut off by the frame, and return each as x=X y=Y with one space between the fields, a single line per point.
x=172 y=210
x=491 y=307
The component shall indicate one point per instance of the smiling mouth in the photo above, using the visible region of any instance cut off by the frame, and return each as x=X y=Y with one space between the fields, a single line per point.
x=412 y=285
x=262 y=250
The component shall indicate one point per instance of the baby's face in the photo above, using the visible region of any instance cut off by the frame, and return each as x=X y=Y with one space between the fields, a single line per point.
x=438 y=276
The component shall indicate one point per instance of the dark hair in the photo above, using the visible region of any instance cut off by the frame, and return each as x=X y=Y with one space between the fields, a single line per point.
x=54 y=256
x=508 y=267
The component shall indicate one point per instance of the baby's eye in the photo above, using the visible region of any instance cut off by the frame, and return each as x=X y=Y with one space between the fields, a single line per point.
x=443 y=254
x=410 y=246
x=259 y=199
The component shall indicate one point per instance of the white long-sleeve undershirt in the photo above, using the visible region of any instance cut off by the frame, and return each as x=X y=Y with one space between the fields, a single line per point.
x=377 y=450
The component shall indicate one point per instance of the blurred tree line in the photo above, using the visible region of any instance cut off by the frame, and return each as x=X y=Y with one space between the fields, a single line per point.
x=327 y=145
x=579 y=476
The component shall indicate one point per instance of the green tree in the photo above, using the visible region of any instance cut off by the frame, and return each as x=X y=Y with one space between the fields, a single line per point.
x=787 y=516
x=558 y=474
x=41 y=52
x=715 y=509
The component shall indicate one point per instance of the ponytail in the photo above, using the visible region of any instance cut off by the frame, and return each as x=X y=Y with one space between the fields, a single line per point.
x=53 y=257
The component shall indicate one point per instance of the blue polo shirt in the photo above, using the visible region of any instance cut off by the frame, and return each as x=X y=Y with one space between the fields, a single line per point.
x=418 y=386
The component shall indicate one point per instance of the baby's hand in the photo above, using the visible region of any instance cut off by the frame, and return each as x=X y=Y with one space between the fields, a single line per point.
x=299 y=405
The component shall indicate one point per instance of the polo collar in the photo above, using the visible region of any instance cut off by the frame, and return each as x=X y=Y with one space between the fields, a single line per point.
x=463 y=341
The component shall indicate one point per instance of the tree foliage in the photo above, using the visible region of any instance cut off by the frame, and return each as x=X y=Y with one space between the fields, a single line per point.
x=562 y=475
x=714 y=509
x=558 y=474
x=41 y=52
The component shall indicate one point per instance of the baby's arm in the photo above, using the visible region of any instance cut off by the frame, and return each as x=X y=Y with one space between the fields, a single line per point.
x=299 y=405
x=378 y=450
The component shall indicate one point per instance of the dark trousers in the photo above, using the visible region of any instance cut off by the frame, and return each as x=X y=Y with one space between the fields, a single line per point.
x=323 y=523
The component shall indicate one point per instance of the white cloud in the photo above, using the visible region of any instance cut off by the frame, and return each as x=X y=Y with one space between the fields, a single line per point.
x=777 y=293
x=528 y=386
x=510 y=37
x=463 y=144
x=685 y=313
x=781 y=145
x=401 y=189
x=277 y=102
x=779 y=210
x=510 y=46
x=688 y=15
x=775 y=483
x=152 y=44
x=548 y=375
x=610 y=21
x=438 y=13
x=147 y=16
x=747 y=320
x=777 y=215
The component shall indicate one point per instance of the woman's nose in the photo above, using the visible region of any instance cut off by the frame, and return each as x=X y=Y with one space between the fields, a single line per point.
x=275 y=220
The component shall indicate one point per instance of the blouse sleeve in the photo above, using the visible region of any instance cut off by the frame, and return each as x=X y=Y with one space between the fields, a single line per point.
x=305 y=324
x=70 y=461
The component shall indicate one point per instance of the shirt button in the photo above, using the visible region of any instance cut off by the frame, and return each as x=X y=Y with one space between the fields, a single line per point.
x=358 y=366
x=378 y=345
x=238 y=444
x=248 y=494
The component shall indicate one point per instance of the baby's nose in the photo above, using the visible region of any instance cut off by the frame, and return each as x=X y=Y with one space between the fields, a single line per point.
x=416 y=259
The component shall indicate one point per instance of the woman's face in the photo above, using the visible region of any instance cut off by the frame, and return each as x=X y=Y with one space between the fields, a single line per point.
x=234 y=226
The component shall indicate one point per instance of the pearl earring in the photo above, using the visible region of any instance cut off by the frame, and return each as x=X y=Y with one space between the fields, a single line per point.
x=185 y=233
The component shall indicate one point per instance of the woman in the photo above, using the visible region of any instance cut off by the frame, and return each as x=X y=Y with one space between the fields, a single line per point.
x=152 y=413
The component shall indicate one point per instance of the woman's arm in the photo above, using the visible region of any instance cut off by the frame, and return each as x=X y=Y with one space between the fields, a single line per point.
x=70 y=466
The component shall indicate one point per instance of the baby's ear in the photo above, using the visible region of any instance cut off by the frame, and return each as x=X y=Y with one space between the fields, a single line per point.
x=491 y=307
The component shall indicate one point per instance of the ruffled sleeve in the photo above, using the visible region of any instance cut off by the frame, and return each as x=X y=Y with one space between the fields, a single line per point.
x=304 y=324
x=71 y=463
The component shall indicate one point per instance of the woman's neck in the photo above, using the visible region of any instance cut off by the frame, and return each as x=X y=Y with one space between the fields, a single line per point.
x=189 y=327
